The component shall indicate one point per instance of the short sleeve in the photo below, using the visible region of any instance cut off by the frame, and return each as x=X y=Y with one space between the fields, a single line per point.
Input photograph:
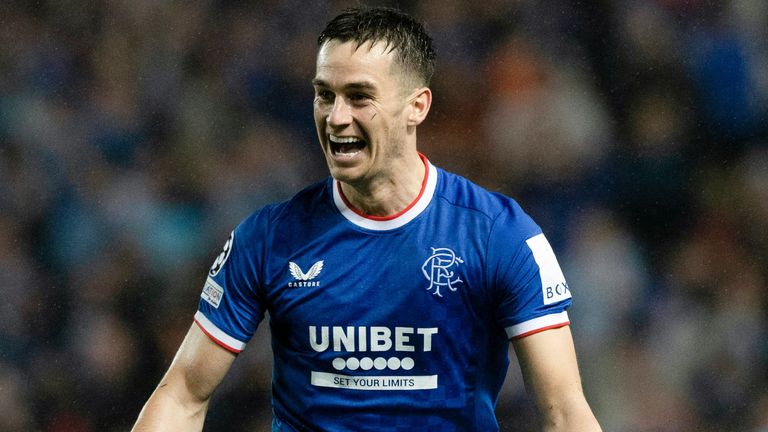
x=530 y=286
x=231 y=306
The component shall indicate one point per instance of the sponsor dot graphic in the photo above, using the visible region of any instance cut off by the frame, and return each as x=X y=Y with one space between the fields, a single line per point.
x=366 y=363
x=339 y=363
x=353 y=363
x=393 y=363
x=407 y=363
x=380 y=363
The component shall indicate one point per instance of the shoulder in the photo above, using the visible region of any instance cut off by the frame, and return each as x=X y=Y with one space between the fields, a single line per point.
x=502 y=211
x=299 y=207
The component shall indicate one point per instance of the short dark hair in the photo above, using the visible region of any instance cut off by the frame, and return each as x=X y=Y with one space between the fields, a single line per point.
x=399 y=31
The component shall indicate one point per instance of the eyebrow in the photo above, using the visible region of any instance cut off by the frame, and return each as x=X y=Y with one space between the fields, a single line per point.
x=362 y=85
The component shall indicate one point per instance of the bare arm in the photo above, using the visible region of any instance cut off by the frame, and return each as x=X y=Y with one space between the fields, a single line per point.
x=548 y=362
x=180 y=401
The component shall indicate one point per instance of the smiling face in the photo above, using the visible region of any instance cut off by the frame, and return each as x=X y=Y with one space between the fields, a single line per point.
x=365 y=112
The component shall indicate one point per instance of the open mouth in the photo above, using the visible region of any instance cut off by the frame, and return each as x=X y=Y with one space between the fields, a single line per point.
x=346 y=146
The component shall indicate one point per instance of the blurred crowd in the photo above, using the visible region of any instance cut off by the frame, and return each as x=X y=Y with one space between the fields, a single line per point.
x=135 y=134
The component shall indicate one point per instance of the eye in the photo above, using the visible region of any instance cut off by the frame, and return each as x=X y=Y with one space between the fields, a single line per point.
x=324 y=96
x=359 y=98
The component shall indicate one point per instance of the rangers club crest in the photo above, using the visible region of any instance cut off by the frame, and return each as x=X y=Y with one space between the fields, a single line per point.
x=438 y=269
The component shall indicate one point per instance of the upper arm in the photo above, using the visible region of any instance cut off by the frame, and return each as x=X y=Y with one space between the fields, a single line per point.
x=198 y=367
x=180 y=401
x=548 y=362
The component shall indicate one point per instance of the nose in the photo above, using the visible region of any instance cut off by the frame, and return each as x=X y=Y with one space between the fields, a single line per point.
x=340 y=114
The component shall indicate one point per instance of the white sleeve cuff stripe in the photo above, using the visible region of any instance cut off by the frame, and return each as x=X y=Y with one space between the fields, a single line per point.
x=538 y=324
x=217 y=335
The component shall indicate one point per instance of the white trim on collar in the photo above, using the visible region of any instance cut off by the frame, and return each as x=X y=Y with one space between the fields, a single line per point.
x=396 y=222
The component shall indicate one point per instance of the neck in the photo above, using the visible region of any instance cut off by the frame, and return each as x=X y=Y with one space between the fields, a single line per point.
x=391 y=194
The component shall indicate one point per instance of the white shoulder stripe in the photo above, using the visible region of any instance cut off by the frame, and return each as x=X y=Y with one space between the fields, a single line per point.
x=217 y=334
x=538 y=324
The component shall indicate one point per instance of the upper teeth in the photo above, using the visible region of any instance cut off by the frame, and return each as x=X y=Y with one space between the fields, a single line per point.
x=342 y=140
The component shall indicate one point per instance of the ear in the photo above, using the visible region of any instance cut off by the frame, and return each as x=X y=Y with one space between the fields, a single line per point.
x=421 y=100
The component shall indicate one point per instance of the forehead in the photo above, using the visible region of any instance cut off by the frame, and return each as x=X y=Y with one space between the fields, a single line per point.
x=342 y=62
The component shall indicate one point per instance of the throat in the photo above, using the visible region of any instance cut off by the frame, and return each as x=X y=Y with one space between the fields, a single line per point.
x=384 y=201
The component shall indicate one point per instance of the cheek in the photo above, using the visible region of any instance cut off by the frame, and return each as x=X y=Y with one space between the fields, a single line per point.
x=317 y=111
x=376 y=111
x=371 y=112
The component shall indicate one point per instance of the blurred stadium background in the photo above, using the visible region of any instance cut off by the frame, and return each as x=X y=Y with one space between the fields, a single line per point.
x=134 y=135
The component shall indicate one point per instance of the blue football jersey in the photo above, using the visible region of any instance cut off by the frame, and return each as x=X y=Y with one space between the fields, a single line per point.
x=386 y=323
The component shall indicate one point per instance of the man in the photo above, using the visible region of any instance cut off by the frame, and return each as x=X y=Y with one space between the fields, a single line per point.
x=393 y=287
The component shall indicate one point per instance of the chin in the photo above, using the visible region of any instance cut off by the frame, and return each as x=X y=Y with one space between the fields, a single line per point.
x=344 y=175
x=349 y=175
